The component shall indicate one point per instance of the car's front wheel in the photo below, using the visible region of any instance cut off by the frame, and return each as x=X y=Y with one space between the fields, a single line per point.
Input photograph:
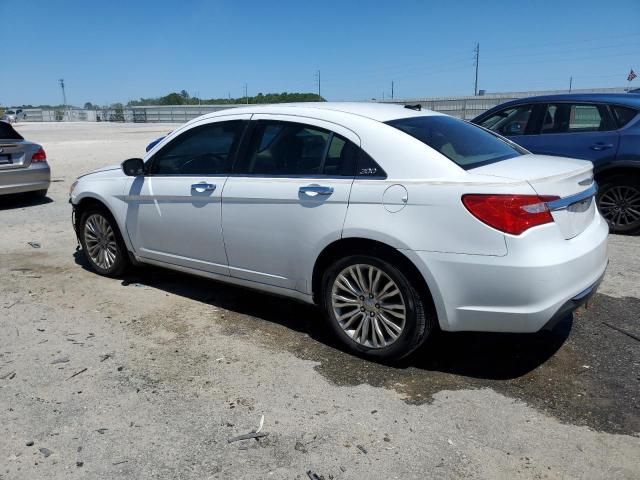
x=619 y=203
x=374 y=308
x=101 y=242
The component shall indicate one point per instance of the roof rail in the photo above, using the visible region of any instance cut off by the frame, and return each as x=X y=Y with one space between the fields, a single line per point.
x=416 y=107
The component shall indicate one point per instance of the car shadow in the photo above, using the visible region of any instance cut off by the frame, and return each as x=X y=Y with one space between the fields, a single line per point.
x=22 y=200
x=490 y=356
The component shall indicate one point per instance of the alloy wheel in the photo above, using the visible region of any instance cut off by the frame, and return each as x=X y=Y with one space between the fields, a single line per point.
x=100 y=240
x=368 y=305
x=620 y=205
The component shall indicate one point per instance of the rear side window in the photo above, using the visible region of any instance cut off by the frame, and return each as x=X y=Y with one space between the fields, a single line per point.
x=7 y=132
x=293 y=149
x=575 y=118
x=463 y=143
x=368 y=167
x=510 y=122
x=623 y=115
x=203 y=150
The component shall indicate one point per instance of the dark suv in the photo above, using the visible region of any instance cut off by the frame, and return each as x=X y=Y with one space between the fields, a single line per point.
x=602 y=128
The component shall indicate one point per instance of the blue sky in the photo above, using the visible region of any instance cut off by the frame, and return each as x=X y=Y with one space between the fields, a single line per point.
x=115 y=51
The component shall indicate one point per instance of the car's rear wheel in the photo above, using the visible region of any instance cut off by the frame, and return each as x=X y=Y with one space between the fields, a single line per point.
x=101 y=242
x=39 y=193
x=619 y=203
x=374 y=309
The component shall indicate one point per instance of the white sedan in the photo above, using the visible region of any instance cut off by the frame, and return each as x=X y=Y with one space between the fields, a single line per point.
x=395 y=221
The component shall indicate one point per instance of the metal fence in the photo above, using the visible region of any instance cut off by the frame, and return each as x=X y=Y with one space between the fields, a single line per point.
x=461 y=107
x=472 y=106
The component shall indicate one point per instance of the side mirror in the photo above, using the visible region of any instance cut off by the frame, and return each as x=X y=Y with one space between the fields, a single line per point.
x=133 y=167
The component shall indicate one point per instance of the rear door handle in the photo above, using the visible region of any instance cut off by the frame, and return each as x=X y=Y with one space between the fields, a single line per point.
x=314 y=190
x=203 y=187
x=601 y=146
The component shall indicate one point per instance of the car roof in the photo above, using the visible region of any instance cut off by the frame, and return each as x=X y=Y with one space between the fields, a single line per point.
x=627 y=99
x=381 y=112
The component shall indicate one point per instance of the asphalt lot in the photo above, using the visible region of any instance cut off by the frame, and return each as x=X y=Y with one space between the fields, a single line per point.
x=150 y=375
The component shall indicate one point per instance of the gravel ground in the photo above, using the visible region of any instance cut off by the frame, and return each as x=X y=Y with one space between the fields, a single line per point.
x=150 y=375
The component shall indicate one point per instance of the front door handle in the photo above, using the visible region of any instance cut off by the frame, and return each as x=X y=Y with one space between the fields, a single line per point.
x=203 y=187
x=314 y=190
x=601 y=146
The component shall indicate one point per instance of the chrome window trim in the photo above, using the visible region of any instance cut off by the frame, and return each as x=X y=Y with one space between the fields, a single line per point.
x=565 y=202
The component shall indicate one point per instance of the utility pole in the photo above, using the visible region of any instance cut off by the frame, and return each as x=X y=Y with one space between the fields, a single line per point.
x=318 y=79
x=246 y=96
x=391 y=89
x=64 y=95
x=570 y=83
x=477 y=64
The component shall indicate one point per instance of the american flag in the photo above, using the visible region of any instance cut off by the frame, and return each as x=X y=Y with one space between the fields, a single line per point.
x=631 y=76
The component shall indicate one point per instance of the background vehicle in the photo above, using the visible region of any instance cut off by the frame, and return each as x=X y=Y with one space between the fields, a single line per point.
x=13 y=116
x=394 y=221
x=602 y=128
x=154 y=142
x=23 y=164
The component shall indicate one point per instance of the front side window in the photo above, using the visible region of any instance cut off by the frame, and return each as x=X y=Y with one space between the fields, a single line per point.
x=463 y=143
x=574 y=118
x=203 y=150
x=294 y=149
x=510 y=122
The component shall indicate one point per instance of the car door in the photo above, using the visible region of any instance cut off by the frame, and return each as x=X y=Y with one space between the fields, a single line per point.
x=287 y=198
x=577 y=130
x=174 y=210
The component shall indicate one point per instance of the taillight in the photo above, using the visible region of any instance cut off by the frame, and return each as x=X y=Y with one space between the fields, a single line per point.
x=512 y=214
x=39 y=156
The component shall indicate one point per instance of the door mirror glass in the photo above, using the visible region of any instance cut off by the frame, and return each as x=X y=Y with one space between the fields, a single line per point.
x=133 y=167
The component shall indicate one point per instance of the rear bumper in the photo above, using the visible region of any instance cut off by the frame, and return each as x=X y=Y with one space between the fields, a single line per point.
x=542 y=278
x=37 y=176
x=572 y=304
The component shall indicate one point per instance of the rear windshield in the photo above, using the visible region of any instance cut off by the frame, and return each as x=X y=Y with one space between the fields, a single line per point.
x=8 y=133
x=467 y=145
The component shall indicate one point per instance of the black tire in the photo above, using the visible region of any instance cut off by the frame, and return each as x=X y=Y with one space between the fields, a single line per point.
x=39 y=193
x=121 y=261
x=619 y=203
x=419 y=319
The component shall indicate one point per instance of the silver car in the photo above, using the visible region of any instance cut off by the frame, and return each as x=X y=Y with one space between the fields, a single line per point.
x=23 y=164
x=13 y=116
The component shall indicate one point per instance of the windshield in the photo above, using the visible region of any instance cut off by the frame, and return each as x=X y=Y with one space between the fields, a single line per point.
x=465 y=144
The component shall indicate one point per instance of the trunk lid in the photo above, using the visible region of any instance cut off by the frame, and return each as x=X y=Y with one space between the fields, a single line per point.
x=567 y=178
x=16 y=154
